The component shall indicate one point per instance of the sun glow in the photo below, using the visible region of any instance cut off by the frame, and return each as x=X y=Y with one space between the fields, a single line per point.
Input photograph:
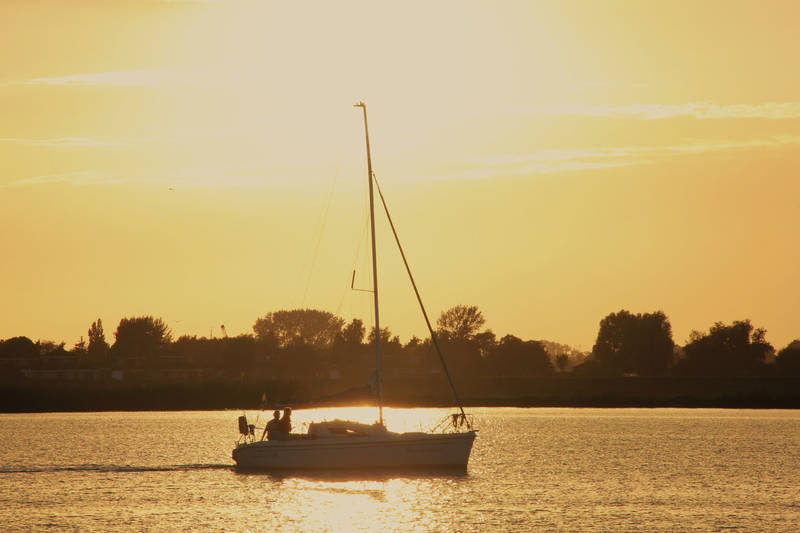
x=534 y=156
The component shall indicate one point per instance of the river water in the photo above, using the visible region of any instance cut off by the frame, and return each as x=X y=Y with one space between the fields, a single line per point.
x=531 y=470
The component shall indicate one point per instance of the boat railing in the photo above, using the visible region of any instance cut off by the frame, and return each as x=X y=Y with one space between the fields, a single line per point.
x=247 y=432
x=454 y=423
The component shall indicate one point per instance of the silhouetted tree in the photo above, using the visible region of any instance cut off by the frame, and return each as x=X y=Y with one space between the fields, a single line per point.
x=237 y=353
x=200 y=351
x=386 y=336
x=554 y=350
x=638 y=344
x=18 y=347
x=788 y=360
x=98 y=349
x=80 y=349
x=352 y=334
x=735 y=350
x=298 y=359
x=346 y=355
x=514 y=357
x=51 y=348
x=413 y=343
x=485 y=341
x=459 y=323
x=464 y=349
x=562 y=360
x=463 y=357
x=142 y=336
x=232 y=355
x=307 y=326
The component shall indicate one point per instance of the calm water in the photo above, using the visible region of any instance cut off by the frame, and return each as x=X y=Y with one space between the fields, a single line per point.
x=531 y=469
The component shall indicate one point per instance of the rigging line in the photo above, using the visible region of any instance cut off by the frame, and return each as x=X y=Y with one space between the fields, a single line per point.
x=364 y=233
x=421 y=306
x=321 y=225
x=361 y=237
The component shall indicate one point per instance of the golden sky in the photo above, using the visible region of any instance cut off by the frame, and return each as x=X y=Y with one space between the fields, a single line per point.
x=549 y=162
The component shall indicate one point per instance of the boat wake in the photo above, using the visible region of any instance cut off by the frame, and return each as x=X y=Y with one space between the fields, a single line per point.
x=111 y=468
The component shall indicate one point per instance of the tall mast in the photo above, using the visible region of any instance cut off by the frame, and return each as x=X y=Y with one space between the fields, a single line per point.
x=378 y=357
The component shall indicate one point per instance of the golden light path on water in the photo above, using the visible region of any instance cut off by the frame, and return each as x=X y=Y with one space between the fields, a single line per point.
x=547 y=469
x=358 y=501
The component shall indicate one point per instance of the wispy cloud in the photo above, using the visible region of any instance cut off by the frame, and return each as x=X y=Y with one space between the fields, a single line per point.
x=698 y=110
x=69 y=142
x=566 y=154
x=94 y=177
x=132 y=78
x=614 y=85
x=186 y=136
x=574 y=159
x=534 y=166
x=547 y=161
x=85 y=177
x=204 y=177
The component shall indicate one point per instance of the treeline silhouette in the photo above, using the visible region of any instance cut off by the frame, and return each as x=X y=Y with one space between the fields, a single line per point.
x=307 y=355
x=304 y=345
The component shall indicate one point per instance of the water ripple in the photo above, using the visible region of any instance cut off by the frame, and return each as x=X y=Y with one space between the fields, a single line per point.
x=112 y=468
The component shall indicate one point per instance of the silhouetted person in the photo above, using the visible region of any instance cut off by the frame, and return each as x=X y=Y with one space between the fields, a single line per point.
x=273 y=427
x=286 y=421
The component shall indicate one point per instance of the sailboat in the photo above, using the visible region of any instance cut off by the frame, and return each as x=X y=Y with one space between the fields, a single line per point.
x=342 y=444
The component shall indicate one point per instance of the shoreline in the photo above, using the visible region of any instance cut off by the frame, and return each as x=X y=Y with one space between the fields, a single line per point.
x=608 y=403
x=726 y=393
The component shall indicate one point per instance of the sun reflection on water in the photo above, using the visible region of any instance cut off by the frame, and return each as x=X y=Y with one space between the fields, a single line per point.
x=366 y=504
x=359 y=500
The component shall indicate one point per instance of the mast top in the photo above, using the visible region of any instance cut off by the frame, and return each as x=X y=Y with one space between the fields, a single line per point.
x=378 y=356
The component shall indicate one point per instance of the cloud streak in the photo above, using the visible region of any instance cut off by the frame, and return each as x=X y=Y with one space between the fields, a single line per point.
x=187 y=136
x=84 y=177
x=634 y=111
x=698 y=110
x=183 y=178
x=69 y=142
x=131 y=78
x=614 y=85
x=481 y=167
x=576 y=159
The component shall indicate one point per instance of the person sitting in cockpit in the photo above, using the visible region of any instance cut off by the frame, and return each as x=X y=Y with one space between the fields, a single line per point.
x=274 y=429
x=286 y=421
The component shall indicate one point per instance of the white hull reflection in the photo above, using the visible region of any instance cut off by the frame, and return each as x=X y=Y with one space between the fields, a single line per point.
x=355 y=449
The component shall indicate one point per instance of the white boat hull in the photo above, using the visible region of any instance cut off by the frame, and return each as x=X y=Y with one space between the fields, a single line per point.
x=392 y=450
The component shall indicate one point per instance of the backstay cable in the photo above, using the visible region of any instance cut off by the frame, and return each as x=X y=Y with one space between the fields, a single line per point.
x=421 y=306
